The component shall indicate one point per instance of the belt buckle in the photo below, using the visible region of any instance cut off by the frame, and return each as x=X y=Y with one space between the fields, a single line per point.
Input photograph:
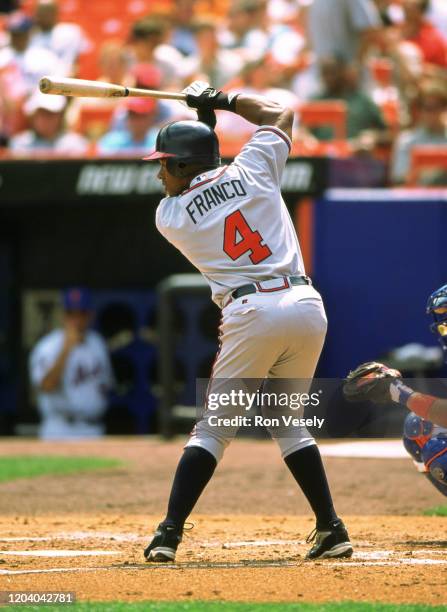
x=270 y=287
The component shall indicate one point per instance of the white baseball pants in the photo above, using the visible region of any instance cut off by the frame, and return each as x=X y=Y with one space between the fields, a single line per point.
x=271 y=335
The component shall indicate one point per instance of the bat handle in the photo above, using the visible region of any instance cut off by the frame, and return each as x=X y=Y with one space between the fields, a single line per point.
x=153 y=93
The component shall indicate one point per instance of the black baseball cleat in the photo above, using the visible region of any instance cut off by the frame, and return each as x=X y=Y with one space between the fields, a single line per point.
x=330 y=543
x=164 y=544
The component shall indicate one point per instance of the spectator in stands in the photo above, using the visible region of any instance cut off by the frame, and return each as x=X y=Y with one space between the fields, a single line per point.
x=139 y=133
x=182 y=37
x=342 y=28
x=13 y=87
x=114 y=67
x=47 y=133
x=283 y=42
x=148 y=41
x=253 y=33
x=257 y=77
x=148 y=76
x=212 y=63
x=244 y=33
x=71 y=372
x=30 y=64
x=114 y=63
x=430 y=129
x=365 y=124
x=65 y=40
x=418 y=30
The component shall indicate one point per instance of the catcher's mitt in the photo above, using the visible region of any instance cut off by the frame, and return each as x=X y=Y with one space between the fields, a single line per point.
x=370 y=381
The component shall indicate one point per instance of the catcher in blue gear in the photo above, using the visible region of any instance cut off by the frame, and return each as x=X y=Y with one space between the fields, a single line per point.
x=425 y=427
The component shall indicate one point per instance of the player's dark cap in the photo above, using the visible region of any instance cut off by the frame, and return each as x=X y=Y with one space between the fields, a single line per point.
x=190 y=142
x=77 y=298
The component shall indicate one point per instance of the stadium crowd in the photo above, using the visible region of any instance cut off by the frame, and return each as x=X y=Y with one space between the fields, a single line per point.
x=366 y=77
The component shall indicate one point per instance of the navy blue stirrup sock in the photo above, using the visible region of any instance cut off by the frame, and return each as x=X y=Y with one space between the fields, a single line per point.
x=308 y=470
x=193 y=473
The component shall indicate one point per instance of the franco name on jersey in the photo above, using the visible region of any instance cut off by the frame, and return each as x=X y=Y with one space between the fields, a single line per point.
x=213 y=196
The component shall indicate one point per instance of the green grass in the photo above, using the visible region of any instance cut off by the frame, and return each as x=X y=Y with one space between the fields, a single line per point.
x=24 y=466
x=211 y=606
x=436 y=511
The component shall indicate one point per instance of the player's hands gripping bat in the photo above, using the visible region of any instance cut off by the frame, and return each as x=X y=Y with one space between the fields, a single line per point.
x=206 y=100
x=370 y=381
x=193 y=94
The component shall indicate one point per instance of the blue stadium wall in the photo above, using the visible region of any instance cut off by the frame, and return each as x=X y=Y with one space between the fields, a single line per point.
x=377 y=257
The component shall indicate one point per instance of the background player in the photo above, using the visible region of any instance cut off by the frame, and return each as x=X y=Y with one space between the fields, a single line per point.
x=71 y=372
x=425 y=428
x=233 y=225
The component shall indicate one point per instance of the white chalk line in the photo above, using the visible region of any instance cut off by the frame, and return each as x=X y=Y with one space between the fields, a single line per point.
x=51 y=570
x=123 y=537
x=377 y=558
x=394 y=563
x=79 y=535
x=374 y=558
x=236 y=565
x=59 y=553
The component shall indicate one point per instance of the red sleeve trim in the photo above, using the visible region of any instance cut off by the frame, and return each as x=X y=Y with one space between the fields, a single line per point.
x=278 y=132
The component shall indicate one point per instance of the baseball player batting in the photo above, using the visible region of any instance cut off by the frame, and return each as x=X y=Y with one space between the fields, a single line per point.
x=425 y=427
x=233 y=225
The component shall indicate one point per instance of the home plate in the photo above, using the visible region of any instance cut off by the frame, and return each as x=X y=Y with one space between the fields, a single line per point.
x=58 y=553
x=368 y=449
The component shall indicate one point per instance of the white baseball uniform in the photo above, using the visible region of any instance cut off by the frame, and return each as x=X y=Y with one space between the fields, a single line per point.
x=233 y=225
x=76 y=408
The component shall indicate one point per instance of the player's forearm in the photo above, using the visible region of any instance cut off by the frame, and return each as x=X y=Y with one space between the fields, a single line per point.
x=426 y=406
x=261 y=111
x=52 y=379
x=438 y=412
x=256 y=109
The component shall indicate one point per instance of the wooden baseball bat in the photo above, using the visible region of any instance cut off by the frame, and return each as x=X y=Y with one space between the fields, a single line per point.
x=81 y=88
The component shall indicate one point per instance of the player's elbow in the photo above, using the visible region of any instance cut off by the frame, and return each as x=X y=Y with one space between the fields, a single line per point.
x=285 y=121
x=288 y=116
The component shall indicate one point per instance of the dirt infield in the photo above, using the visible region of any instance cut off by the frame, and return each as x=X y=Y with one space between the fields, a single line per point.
x=86 y=533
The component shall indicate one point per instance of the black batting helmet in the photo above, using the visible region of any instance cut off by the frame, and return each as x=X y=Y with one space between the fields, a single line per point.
x=187 y=146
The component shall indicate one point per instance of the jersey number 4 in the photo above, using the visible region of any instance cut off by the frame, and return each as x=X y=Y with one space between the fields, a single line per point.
x=239 y=238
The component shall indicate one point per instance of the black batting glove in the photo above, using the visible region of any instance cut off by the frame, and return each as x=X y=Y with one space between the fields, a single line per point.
x=211 y=99
x=207 y=116
x=201 y=96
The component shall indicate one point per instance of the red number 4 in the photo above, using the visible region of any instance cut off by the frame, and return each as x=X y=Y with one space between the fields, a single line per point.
x=239 y=238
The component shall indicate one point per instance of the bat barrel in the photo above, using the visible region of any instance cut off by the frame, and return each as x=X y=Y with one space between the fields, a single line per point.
x=96 y=89
x=81 y=88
